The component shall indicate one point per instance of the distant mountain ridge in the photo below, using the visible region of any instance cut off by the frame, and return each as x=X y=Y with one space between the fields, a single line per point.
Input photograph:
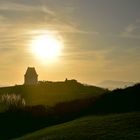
x=111 y=84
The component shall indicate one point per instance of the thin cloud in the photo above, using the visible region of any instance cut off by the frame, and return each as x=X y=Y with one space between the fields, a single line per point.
x=16 y=7
x=132 y=30
x=54 y=20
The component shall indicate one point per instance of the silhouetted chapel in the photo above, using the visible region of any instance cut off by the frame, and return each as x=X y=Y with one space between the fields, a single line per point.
x=30 y=77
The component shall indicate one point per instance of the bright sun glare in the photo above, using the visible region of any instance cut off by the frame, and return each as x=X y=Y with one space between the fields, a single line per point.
x=46 y=46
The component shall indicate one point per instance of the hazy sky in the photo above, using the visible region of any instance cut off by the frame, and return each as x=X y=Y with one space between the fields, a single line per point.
x=101 y=39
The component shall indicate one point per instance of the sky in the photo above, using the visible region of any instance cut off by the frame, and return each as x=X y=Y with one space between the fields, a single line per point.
x=101 y=39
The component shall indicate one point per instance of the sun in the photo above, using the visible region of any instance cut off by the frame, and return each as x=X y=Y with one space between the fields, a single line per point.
x=47 y=46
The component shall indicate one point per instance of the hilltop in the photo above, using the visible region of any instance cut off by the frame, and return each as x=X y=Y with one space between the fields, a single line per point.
x=50 y=93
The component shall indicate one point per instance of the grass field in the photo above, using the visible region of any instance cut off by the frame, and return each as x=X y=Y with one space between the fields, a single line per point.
x=124 y=126
x=52 y=93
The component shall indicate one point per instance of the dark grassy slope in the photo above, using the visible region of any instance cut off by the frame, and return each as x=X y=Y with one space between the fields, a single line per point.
x=119 y=100
x=110 y=127
x=50 y=93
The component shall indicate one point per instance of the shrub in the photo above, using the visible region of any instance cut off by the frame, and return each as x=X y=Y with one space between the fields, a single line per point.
x=12 y=102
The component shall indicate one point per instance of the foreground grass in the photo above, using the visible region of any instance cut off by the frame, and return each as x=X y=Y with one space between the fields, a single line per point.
x=115 y=126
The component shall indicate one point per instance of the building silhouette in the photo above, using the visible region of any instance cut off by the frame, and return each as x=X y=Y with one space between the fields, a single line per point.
x=30 y=77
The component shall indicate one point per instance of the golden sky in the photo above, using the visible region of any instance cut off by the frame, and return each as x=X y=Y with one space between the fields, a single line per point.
x=101 y=39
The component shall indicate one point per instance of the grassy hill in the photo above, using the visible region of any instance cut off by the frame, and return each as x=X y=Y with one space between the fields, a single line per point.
x=116 y=126
x=17 y=122
x=50 y=93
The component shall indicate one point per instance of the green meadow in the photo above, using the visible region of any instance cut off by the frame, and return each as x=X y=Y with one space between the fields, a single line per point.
x=124 y=126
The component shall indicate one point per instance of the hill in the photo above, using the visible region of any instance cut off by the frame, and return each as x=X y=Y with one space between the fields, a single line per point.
x=16 y=123
x=119 y=100
x=116 y=126
x=50 y=93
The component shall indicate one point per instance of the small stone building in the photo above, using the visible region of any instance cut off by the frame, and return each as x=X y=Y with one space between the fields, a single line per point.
x=30 y=77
